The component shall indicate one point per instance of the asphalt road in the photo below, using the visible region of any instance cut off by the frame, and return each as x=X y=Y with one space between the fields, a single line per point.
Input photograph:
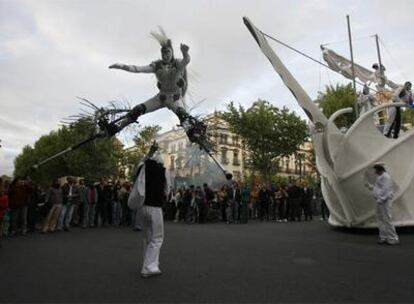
x=257 y=262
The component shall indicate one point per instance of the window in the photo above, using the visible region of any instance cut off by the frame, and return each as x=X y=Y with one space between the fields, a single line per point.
x=224 y=159
x=223 y=138
x=235 y=140
x=178 y=163
x=180 y=146
x=236 y=161
x=287 y=164
x=172 y=164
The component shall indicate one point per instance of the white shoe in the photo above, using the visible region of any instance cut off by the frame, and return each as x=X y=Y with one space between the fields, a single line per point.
x=392 y=243
x=150 y=274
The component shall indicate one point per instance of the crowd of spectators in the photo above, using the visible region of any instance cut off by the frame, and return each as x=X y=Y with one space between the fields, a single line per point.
x=26 y=207
x=238 y=203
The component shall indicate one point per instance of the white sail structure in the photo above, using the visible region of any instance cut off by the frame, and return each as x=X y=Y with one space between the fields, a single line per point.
x=344 y=161
x=343 y=66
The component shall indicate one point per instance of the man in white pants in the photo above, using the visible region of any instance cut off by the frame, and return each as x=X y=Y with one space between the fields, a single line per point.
x=383 y=191
x=148 y=196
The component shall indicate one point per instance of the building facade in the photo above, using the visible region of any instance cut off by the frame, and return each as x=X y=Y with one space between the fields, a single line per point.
x=187 y=163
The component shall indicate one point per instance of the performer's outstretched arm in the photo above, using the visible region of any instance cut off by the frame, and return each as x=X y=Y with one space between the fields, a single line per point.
x=133 y=68
x=186 y=57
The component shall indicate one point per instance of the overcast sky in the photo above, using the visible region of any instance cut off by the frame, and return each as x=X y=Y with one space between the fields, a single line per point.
x=52 y=51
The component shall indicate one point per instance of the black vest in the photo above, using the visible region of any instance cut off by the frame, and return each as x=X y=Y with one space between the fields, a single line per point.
x=154 y=184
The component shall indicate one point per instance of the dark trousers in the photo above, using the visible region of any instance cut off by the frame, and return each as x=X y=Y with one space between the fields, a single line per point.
x=281 y=206
x=294 y=209
x=396 y=124
x=264 y=210
x=202 y=213
x=102 y=211
x=236 y=211
x=324 y=210
x=244 y=213
x=223 y=212
x=1 y=229
x=19 y=219
x=183 y=211
x=308 y=210
x=31 y=218
x=274 y=208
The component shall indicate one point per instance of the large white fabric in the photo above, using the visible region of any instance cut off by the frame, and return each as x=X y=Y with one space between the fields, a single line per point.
x=343 y=66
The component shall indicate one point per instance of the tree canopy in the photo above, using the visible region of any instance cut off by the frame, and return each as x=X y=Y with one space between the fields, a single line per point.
x=92 y=161
x=142 y=141
x=336 y=98
x=267 y=132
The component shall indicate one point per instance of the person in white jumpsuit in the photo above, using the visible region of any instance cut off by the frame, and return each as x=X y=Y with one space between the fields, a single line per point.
x=393 y=124
x=366 y=101
x=383 y=191
x=379 y=77
x=148 y=195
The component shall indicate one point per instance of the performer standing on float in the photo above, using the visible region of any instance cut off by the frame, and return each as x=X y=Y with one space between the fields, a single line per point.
x=393 y=125
x=366 y=101
x=379 y=77
x=171 y=75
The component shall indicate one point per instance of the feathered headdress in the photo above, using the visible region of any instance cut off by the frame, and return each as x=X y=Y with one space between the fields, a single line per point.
x=162 y=39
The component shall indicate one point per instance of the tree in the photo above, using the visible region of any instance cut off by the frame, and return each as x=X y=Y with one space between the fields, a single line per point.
x=267 y=132
x=336 y=98
x=143 y=141
x=408 y=116
x=145 y=138
x=92 y=161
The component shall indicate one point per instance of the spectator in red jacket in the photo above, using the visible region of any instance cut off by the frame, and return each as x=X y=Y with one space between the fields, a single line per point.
x=19 y=195
x=4 y=204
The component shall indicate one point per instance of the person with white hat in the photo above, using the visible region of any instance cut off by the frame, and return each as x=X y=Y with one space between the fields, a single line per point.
x=383 y=191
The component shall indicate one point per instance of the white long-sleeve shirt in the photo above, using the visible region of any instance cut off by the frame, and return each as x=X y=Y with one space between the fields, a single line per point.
x=383 y=188
x=402 y=95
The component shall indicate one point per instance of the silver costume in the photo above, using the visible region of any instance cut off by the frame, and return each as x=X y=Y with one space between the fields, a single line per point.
x=171 y=77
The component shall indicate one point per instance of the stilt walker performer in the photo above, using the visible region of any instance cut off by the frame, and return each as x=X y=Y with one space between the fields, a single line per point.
x=171 y=77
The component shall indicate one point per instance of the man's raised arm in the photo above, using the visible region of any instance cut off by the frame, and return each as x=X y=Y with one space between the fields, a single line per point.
x=133 y=68
x=186 y=57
